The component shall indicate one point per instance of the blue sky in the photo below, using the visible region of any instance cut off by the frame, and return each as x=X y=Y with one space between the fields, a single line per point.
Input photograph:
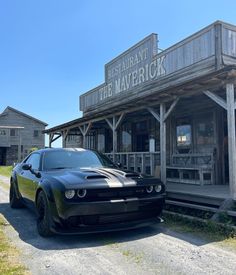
x=51 y=51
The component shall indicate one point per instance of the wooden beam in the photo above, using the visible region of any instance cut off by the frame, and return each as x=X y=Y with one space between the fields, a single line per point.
x=154 y=113
x=220 y=101
x=109 y=123
x=54 y=139
x=64 y=135
x=84 y=130
x=163 y=142
x=231 y=139
x=172 y=106
x=50 y=140
x=119 y=120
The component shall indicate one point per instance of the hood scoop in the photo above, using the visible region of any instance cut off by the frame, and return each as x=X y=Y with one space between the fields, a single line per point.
x=94 y=177
x=131 y=175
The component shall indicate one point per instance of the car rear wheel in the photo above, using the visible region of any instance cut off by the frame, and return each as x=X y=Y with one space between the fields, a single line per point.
x=44 y=219
x=14 y=201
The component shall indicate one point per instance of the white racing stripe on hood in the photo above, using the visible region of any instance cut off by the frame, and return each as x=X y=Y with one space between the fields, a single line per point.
x=114 y=177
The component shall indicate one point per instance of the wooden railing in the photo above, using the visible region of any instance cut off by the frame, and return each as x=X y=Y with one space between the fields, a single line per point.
x=142 y=162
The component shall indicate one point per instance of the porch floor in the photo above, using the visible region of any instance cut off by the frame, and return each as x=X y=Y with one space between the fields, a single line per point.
x=206 y=194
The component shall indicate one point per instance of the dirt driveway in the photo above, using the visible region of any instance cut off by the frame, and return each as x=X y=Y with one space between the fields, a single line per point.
x=152 y=250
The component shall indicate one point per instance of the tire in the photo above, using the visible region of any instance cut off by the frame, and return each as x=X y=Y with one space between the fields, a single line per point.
x=44 y=219
x=14 y=201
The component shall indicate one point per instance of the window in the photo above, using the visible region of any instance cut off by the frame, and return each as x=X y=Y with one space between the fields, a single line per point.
x=13 y=132
x=184 y=135
x=34 y=160
x=36 y=133
x=205 y=131
x=2 y=132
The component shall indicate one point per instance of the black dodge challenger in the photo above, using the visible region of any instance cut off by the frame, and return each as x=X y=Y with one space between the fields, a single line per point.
x=81 y=191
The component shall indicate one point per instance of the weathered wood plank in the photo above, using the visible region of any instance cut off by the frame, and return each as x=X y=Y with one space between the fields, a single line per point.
x=231 y=139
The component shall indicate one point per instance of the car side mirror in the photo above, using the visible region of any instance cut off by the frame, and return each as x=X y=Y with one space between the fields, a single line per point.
x=26 y=166
x=37 y=174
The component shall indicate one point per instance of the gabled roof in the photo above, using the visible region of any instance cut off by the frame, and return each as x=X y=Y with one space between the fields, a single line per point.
x=23 y=114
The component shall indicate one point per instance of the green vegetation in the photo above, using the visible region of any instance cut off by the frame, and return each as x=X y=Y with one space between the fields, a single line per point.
x=137 y=257
x=206 y=229
x=32 y=149
x=9 y=256
x=5 y=171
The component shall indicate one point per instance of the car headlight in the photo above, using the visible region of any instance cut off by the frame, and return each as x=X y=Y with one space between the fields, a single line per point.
x=69 y=194
x=81 y=193
x=158 y=188
x=149 y=189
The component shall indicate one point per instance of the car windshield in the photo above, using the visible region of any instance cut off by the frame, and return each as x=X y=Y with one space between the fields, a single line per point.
x=75 y=159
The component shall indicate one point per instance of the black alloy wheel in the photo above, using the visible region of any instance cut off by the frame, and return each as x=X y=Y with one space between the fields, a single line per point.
x=44 y=219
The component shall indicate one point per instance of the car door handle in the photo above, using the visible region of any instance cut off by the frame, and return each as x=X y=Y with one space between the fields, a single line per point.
x=22 y=173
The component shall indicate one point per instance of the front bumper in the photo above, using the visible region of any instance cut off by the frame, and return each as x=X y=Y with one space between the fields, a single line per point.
x=111 y=215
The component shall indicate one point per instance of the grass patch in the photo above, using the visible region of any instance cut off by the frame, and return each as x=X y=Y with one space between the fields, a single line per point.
x=136 y=257
x=9 y=256
x=5 y=171
x=208 y=229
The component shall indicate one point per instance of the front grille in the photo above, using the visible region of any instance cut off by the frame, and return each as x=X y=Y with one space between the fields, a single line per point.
x=133 y=216
x=110 y=219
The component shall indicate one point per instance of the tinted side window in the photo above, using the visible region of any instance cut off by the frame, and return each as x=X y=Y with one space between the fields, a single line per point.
x=34 y=160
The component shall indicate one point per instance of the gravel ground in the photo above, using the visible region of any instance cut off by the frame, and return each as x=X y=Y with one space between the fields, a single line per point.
x=152 y=250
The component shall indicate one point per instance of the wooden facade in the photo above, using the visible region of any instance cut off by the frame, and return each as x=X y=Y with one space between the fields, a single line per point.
x=170 y=113
x=19 y=133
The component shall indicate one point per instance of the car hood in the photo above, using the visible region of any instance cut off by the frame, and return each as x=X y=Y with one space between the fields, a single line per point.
x=95 y=177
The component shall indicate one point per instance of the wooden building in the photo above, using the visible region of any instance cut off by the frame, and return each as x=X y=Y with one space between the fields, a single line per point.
x=168 y=113
x=19 y=133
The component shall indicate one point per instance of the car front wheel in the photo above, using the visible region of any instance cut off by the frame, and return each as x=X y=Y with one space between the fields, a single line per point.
x=44 y=216
x=14 y=201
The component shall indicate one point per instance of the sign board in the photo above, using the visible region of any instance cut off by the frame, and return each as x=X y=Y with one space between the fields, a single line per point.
x=134 y=67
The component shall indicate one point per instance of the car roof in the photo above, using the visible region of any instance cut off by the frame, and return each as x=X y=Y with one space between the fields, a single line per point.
x=61 y=149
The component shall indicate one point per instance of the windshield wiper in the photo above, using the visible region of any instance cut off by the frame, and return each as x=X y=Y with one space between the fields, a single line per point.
x=58 y=168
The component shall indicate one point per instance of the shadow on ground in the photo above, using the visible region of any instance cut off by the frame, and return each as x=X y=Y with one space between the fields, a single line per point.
x=24 y=222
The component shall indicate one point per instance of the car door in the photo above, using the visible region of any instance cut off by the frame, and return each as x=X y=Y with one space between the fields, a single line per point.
x=27 y=181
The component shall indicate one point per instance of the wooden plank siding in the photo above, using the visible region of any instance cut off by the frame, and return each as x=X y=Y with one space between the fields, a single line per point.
x=195 y=54
x=24 y=135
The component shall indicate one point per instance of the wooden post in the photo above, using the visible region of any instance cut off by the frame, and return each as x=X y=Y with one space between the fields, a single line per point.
x=114 y=137
x=231 y=138
x=84 y=130
x=162 y=117
x=163 y=141
x=114 y=124
x=64 y=135
x=50 y=139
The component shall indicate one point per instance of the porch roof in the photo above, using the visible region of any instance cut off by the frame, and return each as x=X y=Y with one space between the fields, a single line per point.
x=214 y=81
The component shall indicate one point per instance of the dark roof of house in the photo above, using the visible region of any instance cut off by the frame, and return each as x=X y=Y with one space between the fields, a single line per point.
x=23 y=114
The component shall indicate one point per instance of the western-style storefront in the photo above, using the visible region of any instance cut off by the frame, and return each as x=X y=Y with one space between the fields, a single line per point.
x=169 y=114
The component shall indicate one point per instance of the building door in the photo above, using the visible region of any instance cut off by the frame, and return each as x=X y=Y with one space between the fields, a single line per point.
x=2 y=155
x=140 y=137
x=142 y=143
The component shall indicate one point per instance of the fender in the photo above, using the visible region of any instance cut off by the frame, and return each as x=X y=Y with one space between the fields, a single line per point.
x=47 y=189
x=14 y=183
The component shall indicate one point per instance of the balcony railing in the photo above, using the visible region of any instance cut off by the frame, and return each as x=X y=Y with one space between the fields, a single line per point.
x=142 y=162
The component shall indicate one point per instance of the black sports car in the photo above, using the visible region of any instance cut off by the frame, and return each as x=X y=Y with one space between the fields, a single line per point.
x=82 y=191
